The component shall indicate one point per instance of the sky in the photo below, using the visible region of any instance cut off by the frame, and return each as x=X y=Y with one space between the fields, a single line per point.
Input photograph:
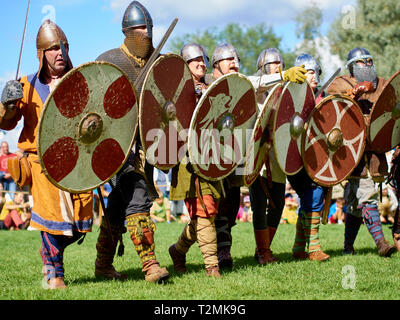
x=94 y=26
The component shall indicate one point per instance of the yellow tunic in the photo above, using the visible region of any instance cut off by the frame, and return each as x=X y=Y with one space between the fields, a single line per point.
x=50 y=212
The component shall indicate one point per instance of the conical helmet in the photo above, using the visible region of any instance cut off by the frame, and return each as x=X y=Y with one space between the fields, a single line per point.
x=49 y=36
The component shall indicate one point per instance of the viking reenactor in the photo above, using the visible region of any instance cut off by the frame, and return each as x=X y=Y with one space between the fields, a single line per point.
x=364 y=86
x=313 y=72
x=62 y=217
x=133 y=189
x=225 y=60
x=272 y=178
x=200 y=195
x=312 y=196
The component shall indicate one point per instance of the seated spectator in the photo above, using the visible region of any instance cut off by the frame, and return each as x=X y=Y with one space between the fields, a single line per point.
x=5 y=176
x=245 y=214
x=161 y=210
x=289 y=213
x=337 y=211
x=16 y=213
x=179 y=211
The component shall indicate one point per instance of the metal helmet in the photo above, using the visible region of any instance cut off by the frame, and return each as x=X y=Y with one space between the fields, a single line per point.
x=192 y=51
x=136 y=15
x=310 y=63
x=366 y=72
x=225 y=51
x=50 y=35
x=268 y=56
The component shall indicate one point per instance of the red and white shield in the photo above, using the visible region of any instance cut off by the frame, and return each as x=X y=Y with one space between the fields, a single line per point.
x=167 y=102
x=384 y=128
x=221 y=126
x=334 y=141
x=87 y=127
x=294 y=108
x=261 y=137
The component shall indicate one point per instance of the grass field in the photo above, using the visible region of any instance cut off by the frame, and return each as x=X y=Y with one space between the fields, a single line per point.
x=364 y=276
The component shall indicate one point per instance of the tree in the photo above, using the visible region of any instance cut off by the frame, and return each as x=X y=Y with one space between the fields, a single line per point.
x=249 y=41
x=308 y=22
x=374 y=25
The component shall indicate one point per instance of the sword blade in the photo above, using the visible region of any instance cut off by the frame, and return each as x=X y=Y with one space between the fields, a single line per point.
x=23 y=38
x=326 y=84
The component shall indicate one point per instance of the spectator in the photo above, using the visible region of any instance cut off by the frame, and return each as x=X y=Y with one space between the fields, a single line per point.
x=387 y=207
x=337 y=211
x=161 y=210
x=97 y=209
x=16 y=213
x=162 y=181
x=289 y=214
x=245 y=214
x=5 y=176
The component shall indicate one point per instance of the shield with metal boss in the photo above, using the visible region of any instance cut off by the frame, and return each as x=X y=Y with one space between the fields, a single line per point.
x=221 y=126
x=87 y=127
x=167 y=102
x=334 y=140
x=261 y=137
x=384 y=126
x=294 y=108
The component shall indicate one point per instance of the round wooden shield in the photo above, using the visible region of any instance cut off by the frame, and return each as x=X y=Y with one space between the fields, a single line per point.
x=87 y=127
x=261 y=137
x=334 y=140
x=221 y=126
x=294 y=108
x=167 y=102
x=384 y=127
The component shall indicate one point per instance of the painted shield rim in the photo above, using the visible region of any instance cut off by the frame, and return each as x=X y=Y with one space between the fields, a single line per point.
x=388 y=82
x=303 y=139
x=194 y=116
x=141 y=104
x=270 y=115
x=45 y=107
x=274 y=127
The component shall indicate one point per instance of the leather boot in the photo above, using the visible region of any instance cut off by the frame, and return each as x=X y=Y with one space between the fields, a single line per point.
x=154 y=273
x=300 y=255
x=384 y=248
x=56 y=283
x=106 y=248
x=225 y=260
x=213 y=272
x=178 y=259
x=263 y=251
x=396 y=239
x=318 y=256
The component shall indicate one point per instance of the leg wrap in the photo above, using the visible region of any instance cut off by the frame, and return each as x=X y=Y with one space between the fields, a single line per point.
x=300 y=240
x=372 y=220
x=207 y=239
x=141 y=229
x=187 y=238
x=52 y=253
x=106 y=246
x=312 y=222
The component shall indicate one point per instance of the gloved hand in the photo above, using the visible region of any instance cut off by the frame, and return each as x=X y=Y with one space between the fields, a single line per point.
x=360 y=89
x=12 y=92
x=295 y=74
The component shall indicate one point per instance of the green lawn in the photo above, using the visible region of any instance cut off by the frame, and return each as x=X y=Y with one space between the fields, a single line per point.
x=363 y=276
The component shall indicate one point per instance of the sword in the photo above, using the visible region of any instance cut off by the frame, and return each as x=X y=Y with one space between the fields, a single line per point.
x=156 y=52
x=326 y=84
x=23 y=38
